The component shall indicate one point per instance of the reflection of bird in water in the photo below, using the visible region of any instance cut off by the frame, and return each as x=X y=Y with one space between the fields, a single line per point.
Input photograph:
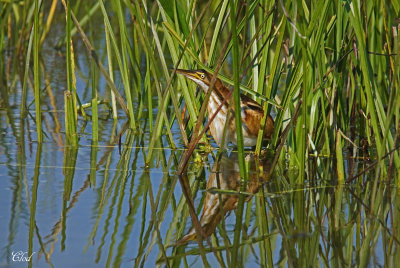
x=225 y=176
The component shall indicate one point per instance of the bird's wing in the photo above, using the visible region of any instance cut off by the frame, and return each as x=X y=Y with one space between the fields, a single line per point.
x=249 y=103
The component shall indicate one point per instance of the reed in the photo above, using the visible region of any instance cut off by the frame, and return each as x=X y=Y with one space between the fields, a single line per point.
x=36 y=72
x=70 y=95
x=125 y=45
x=238 y=122
x=328 y=71
x=111 y=71
x=71 y=134
x=95 y=115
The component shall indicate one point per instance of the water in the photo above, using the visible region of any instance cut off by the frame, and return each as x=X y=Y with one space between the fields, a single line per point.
x=127 y=214
x=99 y=205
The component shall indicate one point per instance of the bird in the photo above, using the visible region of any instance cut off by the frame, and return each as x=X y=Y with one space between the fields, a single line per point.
x=251 y=111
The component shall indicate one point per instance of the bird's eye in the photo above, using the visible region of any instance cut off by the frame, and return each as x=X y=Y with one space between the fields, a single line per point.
x=202 y=76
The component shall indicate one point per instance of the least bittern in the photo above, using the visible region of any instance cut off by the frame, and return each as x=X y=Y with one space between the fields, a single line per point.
x=251 y=111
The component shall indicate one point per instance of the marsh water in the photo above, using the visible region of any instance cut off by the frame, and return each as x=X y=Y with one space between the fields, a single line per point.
x=101 y=205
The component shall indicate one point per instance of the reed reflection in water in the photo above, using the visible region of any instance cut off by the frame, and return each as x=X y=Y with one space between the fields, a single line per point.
x=223 y=190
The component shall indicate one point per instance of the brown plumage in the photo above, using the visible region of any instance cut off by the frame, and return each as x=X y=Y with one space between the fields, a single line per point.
x=251 y=112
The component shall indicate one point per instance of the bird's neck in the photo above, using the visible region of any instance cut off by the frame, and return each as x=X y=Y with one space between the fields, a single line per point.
x=219 y=91
x=218 y=94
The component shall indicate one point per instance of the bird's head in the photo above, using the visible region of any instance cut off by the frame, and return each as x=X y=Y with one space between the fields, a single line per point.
x=200 y=77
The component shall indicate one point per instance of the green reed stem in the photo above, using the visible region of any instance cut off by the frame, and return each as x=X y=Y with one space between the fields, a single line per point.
x=71 y=135
x=149 y=94
x=301 y=128
x=125 y=70
x=49 y=21
x=368 y=77
x=339 y=158
x=239 y=133
x=95 y=116
x=26 y=73
x=236 y=93
x=36 y=72
x=94 y=56
x=70 y=95
x=110 y=70
x=217 y=32
x=273 y=73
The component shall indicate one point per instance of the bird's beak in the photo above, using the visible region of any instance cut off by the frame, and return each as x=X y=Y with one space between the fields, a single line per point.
x=188 y=73
x=194 y=76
